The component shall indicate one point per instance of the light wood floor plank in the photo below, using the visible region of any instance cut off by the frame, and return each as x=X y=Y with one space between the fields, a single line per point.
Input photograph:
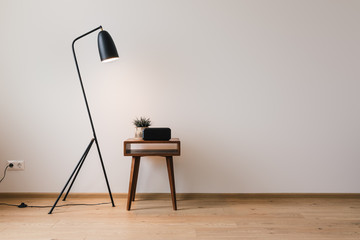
x=197 y=218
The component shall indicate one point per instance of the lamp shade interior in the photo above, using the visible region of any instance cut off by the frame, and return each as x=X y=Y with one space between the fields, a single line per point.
x=107 y=48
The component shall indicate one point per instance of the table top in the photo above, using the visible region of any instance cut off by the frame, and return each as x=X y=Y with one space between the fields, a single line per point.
x=135 y=140
x=160 y=149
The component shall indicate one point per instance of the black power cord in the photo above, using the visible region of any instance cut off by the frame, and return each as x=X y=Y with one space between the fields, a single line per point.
x=24 y=205
x=10 y=165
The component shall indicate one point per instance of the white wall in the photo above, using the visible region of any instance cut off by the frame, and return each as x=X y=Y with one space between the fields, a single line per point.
x=263 y=94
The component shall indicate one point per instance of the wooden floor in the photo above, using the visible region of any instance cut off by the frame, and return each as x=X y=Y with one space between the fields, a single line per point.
x=196 y=218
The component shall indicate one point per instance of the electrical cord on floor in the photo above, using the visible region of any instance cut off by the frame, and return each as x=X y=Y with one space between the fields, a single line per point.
x=23 y=205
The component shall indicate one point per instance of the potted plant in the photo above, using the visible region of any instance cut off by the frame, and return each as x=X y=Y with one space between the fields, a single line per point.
x=140 y=124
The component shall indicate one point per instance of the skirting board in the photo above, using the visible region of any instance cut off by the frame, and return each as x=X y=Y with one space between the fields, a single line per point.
x=183 y=195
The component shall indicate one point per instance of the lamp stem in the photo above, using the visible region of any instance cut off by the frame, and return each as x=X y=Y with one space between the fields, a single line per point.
x=100 y=27
x=81 y=83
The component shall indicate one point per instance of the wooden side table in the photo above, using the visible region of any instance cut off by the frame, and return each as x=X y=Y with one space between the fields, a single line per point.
x=138 y=148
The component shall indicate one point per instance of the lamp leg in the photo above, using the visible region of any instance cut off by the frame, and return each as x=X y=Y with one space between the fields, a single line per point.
x=103 y=167
x=79 y=167
x=76 y=170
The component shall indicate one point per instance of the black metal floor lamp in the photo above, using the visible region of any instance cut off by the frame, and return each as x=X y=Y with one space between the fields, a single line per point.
x=108 y=52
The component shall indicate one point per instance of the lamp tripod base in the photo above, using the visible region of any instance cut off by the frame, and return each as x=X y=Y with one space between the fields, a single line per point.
x=76 y=172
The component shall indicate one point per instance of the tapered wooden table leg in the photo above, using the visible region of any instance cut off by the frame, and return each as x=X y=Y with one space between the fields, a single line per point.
x=136 y=174
x=170 y=168
x=134 y=165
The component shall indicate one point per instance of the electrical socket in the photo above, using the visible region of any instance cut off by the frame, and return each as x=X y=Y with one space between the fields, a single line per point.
x=18 y=165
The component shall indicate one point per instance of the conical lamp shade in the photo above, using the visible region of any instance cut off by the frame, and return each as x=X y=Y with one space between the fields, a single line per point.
x=107 y=49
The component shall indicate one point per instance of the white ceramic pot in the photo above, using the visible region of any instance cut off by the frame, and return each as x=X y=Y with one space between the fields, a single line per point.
x=139 y=132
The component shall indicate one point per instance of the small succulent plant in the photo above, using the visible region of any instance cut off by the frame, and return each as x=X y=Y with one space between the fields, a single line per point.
x=142 y=122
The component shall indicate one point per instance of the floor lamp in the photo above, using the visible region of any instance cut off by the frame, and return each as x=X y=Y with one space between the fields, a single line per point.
x=108 y=52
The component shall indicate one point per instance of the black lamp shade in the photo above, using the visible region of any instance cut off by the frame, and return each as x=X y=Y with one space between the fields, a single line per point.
x=107 y=48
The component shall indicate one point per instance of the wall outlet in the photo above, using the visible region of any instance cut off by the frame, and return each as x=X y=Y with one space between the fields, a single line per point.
x=18 y=165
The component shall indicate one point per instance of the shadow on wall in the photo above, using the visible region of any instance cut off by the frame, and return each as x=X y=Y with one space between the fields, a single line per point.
x=209 y=163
